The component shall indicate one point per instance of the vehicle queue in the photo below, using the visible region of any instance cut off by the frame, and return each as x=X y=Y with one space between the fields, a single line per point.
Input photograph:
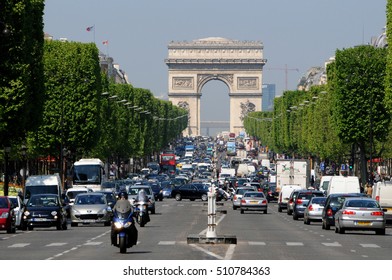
x=192 y=180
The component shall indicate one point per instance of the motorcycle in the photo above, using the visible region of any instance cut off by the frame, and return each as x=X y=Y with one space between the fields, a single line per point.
x=124 y=232
x=141 y=213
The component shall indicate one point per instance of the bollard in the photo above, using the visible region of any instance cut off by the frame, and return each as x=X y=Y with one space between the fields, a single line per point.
x=211 y=228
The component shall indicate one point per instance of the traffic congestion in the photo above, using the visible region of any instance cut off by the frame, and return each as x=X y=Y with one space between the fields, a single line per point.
x=246 y=182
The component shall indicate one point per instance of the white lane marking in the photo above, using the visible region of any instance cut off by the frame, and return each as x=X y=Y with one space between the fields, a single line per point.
x=370 y=245
x=55 y=244
x=230 y=252
x=19 y=245
x=166 y=242
x=256 y=243
x=92 y=243
x=206 y=251
x=294 y=244
x=334 y=244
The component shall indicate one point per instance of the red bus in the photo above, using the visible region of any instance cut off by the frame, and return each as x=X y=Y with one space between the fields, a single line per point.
x=167 y=163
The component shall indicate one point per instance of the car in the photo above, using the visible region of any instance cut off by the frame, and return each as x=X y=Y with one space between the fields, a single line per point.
x=239 y=192
x=254 y=201
x=360 y=213
x=302 y=200
x=91 y=208
x=7 y=215
x=191 y=191
x=71 y=193
x=314 y=209
x=135 y=189
x=332 y=205
x=270 y=192
x=18 y=210
x=290 y=202
x=157 y=190
x=111 y=197
x=44 y=211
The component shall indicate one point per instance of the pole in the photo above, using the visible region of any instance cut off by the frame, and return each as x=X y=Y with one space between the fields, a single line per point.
x=211 y=228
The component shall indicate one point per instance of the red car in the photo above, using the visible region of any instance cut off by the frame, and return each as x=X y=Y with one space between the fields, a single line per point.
x=7 y=215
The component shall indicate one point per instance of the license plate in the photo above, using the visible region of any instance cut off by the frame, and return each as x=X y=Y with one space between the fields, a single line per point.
x=88 y=221
x=40 y=219
x=253 y=202
x=389 y=209
x=363 y=223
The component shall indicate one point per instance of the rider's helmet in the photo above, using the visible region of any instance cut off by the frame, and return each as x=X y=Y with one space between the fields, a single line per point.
x=123 y=194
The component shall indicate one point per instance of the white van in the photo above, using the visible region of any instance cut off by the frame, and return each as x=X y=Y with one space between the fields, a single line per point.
x=343 y=184
x=382 y=192
x=284 y=195
x=324 y=183
x=39 y=184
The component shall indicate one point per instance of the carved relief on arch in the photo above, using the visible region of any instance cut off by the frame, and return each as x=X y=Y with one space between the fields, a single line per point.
x=246 y=108
x=202 y=79
x=183 y=105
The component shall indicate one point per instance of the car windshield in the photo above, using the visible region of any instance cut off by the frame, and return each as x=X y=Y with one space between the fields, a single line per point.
x=3 y=202
x=89 y=199
x=242 y=191
x=319 y=200
x=254 y=194
x=42 y=201
x=362 y=204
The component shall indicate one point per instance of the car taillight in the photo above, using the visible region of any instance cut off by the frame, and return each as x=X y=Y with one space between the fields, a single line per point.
x=290 y=200
x=329 y=212
x=377 y=213
x=235 y=197
x=243 y=201
x=264 y=202
x=299 y=201
x=269 y=192
x=348 y=212
x=378 y=198
x=310 y=208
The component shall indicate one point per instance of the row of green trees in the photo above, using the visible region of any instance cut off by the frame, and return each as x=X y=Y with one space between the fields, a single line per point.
x=55 y=97
x=346 y=119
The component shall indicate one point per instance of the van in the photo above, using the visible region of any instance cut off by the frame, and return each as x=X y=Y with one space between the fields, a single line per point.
x=42 y=184
x=324 y=183
x=343 y=184
x=382 y=192
x=284 y=195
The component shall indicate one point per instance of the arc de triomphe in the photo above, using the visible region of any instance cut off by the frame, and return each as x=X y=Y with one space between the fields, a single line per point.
x=239 y=64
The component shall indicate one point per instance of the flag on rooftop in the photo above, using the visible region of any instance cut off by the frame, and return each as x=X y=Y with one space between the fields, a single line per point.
x=105 y=42
x=90 y=28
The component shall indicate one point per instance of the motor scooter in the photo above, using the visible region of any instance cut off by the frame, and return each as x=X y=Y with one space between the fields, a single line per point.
x=141 y=213
x=124 y=232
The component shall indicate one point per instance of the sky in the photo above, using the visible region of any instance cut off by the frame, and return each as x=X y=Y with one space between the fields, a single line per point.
x=297 y=34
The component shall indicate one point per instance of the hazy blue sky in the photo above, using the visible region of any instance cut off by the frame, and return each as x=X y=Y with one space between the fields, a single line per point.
x=296 y=33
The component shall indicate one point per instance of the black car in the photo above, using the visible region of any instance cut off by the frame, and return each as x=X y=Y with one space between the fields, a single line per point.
x=44 y=210
x=332 y=205
x=157 y=190
x=190 y=191
x=302 y=200
x=270 y=192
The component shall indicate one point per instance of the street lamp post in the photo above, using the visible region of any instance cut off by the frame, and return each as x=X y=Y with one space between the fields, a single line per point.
x=24 y=162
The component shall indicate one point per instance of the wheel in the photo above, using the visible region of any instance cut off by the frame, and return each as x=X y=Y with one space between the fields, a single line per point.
x=336 y=229
x=123 y=245
x=295 y=216
x=30 y=228
x=323 y=225
x=234 y=207
x=306 y=221
x=265 y=211
x=153 y=211
x=178 y=197
x=64 y=226
x=341 y=231
x=242 y=211
x=327 y=226
x=279 y=209
x=204 y=197
x=380 y=231
x=289 y=212
x=74 y=224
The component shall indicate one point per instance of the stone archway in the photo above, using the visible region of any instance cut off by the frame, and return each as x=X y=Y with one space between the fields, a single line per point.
x=238 y=64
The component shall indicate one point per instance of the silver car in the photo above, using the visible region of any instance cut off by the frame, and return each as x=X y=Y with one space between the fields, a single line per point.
x=91 y=208
x=314 y=210
x=239 y=192
x=135 y=189
x=360 y=213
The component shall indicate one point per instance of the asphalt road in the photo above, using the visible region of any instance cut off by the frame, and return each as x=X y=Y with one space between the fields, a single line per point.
x=272 y=236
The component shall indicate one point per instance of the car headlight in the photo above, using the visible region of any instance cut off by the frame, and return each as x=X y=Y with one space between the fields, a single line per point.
x=4 y=215
x=26 y=213
x=53 y=213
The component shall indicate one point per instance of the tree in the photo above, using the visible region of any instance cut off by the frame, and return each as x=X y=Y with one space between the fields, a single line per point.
x=359 y=111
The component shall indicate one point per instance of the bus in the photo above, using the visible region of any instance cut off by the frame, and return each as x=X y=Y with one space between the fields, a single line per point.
x=231 y=149
x=89 y=173
x=167 y=162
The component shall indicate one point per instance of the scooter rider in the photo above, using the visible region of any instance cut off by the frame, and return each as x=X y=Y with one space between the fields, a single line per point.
x=123 y=205
x=142 y=197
